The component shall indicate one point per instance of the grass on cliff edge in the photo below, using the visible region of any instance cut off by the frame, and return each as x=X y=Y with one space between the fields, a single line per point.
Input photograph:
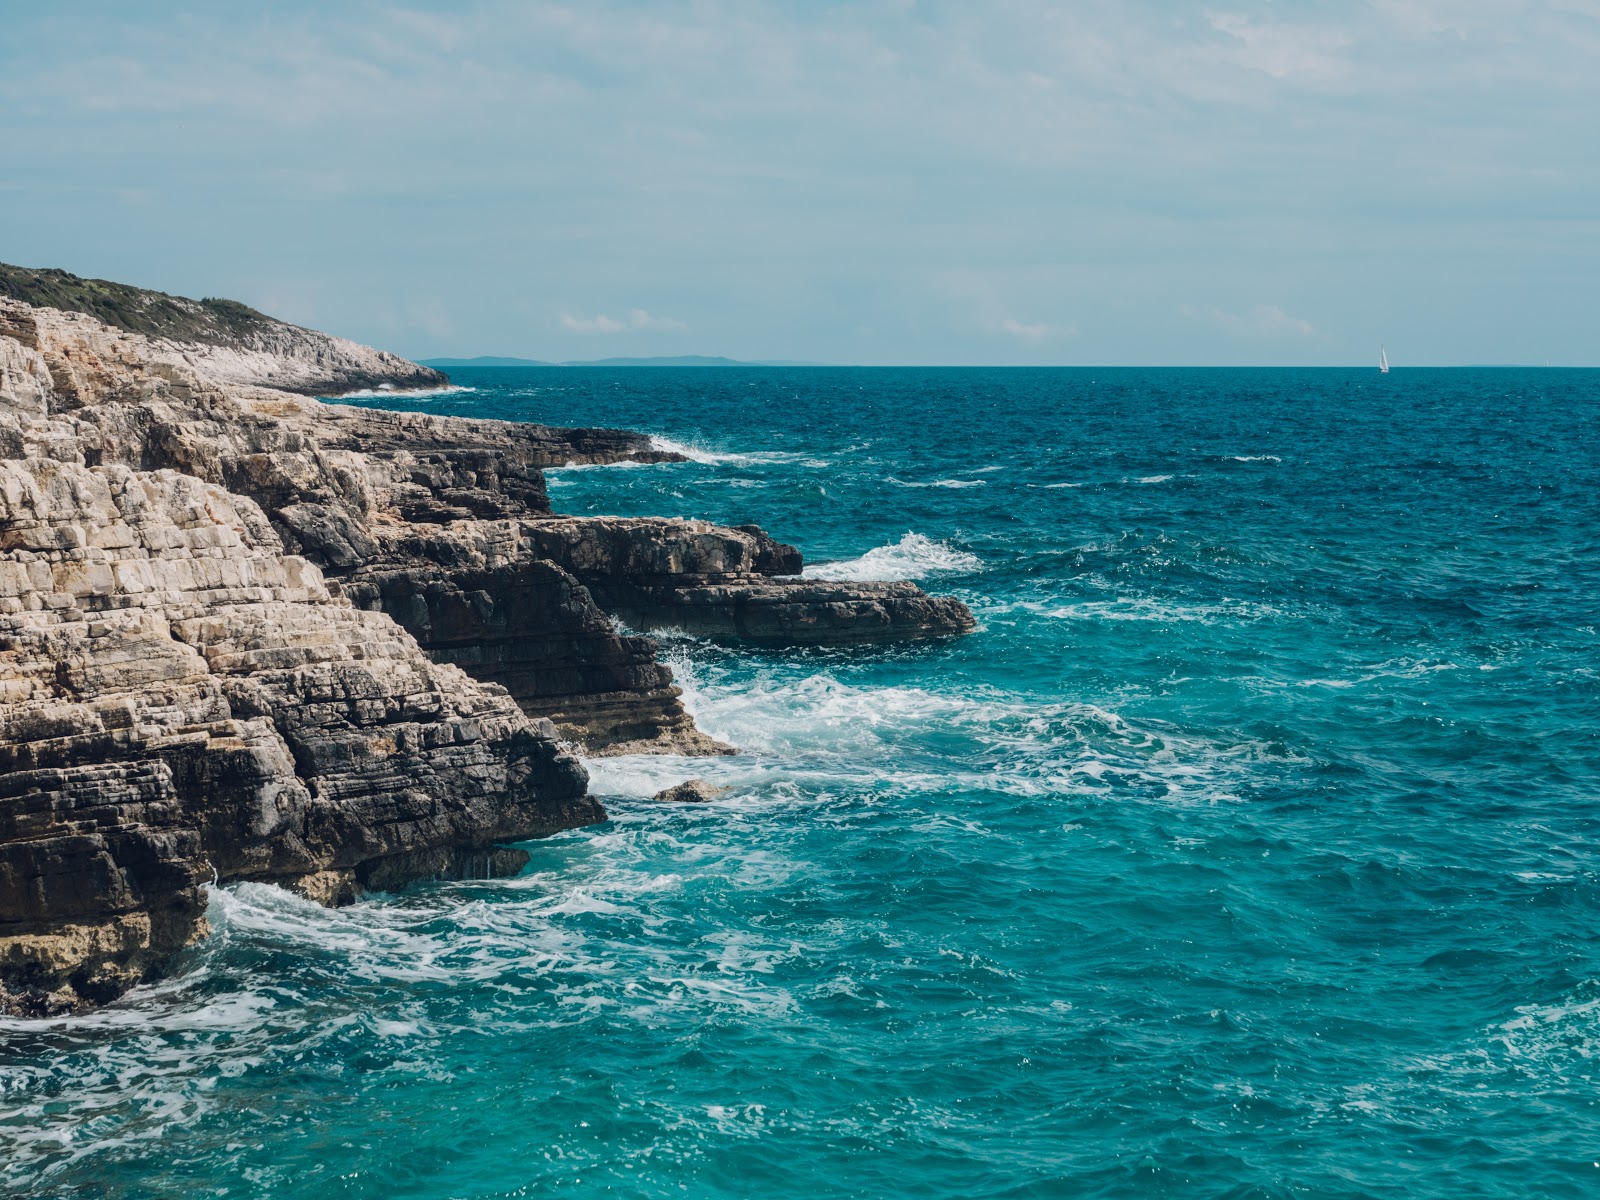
x=155 y=314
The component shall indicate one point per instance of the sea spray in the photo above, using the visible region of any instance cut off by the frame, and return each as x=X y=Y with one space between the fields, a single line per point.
x=407 y=395
x=912 y=557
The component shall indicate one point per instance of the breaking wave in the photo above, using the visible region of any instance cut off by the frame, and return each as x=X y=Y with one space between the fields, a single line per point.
x=1142 y=608
x=605 y=466
x=702 y=454
x=805 y=733
x=912 y=557
x=403 y=393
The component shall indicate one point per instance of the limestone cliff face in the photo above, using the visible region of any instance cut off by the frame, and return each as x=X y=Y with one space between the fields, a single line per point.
x=182 y=695
x=248 y=635
x=226 y=341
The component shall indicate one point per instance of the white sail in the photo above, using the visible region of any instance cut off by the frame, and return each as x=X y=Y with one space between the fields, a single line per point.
x=1383 y=360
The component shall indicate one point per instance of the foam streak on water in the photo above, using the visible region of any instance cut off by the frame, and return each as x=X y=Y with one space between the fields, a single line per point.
x=409 y=395
x=1251 y=847
x=912 y=557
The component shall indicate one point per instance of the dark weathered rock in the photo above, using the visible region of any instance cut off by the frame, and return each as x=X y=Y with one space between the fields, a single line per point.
x=529 y=626
x=184 y=702
x=771 y=557
x=793 y=612
x=690 y=791
x=718 y=583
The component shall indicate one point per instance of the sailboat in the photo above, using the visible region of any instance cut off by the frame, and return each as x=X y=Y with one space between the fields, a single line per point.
x=1383 y=360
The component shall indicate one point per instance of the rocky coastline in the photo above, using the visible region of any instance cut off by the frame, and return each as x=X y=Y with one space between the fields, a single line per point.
x=248 y=635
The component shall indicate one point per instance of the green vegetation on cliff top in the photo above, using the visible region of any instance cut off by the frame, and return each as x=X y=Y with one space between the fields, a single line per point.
x=138 y=310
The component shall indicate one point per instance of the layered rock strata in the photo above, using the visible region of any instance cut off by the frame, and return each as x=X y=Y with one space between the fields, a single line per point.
x=185 y=701
x=476 y=594
x=248 y=635
x=734 y=585
x=229 y=342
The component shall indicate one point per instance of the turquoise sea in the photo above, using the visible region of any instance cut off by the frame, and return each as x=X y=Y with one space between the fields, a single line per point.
x=1250 y=848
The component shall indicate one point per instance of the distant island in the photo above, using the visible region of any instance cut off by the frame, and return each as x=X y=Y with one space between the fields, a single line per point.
x=680 y=360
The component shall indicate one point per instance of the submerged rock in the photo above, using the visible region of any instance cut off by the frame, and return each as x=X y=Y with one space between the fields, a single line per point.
x=246 y=635
x=691 y=791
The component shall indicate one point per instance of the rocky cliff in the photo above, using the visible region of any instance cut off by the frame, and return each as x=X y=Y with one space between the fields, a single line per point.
x=229 y=342
x=248 y=635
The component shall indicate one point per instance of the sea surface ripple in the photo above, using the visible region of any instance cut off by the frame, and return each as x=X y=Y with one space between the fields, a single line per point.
x=1250 y=848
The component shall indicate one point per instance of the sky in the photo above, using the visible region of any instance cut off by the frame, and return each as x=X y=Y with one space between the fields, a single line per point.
x=890 y=181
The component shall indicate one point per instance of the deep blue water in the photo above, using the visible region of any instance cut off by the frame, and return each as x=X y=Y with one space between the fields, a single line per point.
x=1251 y=848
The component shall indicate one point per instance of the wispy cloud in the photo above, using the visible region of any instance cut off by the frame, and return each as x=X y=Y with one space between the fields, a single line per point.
x=636 y=320
x=596 y=324
x=1263 y=322
x=1281 y=50
x=831 y=166
x=1036 y=332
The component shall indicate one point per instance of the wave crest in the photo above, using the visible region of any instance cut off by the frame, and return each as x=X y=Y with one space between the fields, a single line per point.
x=403 y=393
x=701 y=454
x=912 y=557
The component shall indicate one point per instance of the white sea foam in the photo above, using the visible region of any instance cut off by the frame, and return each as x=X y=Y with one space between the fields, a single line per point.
x=404 y=394
x=697 y=454
x=912 y=557
x=118 y=1080
x=1153 y=478
x=605 y=466
x=703 y=454
x=1256 y=458
x=938 y=483
x=1547 y=1046
x=1398 y=668
x=822 y=735
x=1406 y=667
x=640 y=776
x=1139 y=608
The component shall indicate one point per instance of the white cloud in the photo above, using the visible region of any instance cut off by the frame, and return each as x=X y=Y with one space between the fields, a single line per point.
x=637 y=319
x=597 y=324
x=1282 y=50
x=788 y=172
x=1263 y=322
x=1036 y=333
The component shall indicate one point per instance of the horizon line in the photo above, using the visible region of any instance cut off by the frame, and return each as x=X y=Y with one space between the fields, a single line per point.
x=722 y=362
